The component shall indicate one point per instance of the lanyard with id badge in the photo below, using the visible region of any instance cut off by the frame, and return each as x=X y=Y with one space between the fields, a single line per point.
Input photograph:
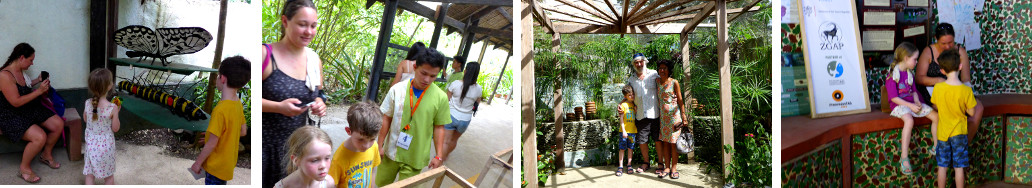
x=405 y=139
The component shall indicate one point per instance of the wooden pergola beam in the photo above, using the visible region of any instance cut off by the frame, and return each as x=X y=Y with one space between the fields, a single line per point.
x=616 y=13
x=646 y=10
x=505 y=14
x=496 y=33
x=591 y=4
x=737 y=11
x=677 y=13
x=540 y=15
x=589 y=11
x=476 y=2
x=528 y=130
x=579 y=21
x=748 y=7
x=575 y=15
x=427 y=12
x=699 y=17
x=637 y=7
x=480 y=12
x=578 y=28
x=639 y=17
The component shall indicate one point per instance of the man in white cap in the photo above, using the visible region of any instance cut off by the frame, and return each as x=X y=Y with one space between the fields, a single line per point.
x=647 y=113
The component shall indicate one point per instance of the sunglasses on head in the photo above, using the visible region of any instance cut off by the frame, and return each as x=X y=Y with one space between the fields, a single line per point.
x=941 y=27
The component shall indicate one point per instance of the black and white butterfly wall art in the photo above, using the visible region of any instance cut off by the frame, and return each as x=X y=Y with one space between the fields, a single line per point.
x=144 y=42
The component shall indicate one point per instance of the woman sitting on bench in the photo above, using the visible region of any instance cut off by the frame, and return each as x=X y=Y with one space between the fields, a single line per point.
x=22 y=113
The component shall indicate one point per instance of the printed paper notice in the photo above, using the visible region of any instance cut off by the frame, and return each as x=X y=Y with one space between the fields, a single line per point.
x=878 y=40
x=917 y=3
x=879 y=18
x=879 y=3
x=913 y=31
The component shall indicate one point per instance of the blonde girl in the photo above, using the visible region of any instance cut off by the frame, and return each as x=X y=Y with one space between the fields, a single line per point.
x=101 y=125
x=906 y=103
x=308 y=159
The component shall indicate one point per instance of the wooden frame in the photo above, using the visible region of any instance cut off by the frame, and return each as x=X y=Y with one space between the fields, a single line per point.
x=436 y=174
x=496 y=160
x=809 y=74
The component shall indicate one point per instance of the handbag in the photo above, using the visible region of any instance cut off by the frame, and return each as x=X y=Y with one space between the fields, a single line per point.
x=685 y=142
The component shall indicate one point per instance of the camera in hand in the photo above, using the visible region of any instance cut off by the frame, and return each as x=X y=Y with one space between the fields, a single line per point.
x=44 y=75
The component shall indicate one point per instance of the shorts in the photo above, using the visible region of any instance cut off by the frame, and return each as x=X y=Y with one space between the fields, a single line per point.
x=457 y=125
x=625 y=143
x=901 y=110
x=952 y=153
x=212 y=180
x=648 y=128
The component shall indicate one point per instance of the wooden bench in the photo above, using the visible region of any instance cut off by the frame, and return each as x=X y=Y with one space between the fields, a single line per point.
x=72 y=138
x=802 y=134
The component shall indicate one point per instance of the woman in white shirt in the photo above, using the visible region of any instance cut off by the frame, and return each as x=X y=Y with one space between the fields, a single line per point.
x=462 y=96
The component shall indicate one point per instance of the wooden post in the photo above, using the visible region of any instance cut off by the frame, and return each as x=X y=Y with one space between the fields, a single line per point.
x=483 y=49
x=687 y=71
x=557 y=107
x=501 y=75
x=529 y=129
x=210 y=93
x=380 y=55
x=469 y=38
x=723 y=58
x=442 y=13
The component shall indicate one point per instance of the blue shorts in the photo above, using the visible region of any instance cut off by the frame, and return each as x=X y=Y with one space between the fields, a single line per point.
x=952 y=153
x=457 y=125
x=212 y=180
x=626 y=143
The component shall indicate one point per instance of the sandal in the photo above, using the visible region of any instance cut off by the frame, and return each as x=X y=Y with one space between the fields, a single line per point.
x=904 y=164
x=662 y=174
x=31 y=175
x=50 y=163
x=675 y=175
x=619 y=171
x=660 y=170
x=642 y=169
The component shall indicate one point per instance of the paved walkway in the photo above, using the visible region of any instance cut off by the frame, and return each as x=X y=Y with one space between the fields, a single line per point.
x=489 y=132
x=135 y=165
x=604 y=176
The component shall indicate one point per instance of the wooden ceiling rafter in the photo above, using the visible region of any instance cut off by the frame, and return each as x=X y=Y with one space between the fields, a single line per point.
x=676 y=13
x=585 y=9
x=581 y=16
x=699 y=17
x=640 y=17
x=592 y=4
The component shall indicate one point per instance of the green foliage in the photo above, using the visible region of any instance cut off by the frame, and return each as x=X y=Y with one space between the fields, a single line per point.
x=244 y=93
x=345 y=41
x=751 y=166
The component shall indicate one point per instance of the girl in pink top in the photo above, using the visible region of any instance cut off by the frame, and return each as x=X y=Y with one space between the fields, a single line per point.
x=899 y=85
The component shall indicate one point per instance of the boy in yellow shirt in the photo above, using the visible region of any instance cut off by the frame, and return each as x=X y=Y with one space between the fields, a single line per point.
x=627 y=129
x=353 y=163
x=955 y=101
x=227 y=124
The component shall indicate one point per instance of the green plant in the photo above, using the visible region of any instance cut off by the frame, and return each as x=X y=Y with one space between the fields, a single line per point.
x=751 y=164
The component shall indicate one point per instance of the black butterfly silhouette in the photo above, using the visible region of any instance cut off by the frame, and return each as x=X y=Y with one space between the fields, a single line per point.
x=145 y=42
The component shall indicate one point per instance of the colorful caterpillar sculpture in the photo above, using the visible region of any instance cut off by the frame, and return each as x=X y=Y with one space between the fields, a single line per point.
x=179 y=106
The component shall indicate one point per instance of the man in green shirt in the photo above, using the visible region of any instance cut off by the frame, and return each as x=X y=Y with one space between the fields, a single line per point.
x=414 y=114
x=456 y=65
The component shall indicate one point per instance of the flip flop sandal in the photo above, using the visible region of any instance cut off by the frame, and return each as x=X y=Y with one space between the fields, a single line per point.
x=619 y=171
x=50 y=163
x=662 y=174
x=675 y=175
x=31 y=175
x=904 y=164
x=642 y=170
